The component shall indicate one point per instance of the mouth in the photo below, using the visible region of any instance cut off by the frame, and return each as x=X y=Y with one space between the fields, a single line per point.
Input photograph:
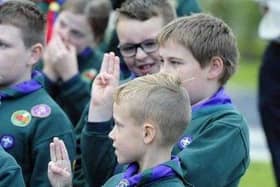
x=145 y=68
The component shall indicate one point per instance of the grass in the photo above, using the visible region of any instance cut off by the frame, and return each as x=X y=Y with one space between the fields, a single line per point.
x=259 y=174
x=246 y=75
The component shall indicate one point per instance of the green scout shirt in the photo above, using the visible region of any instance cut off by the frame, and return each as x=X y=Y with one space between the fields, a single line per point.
x=10 y=172
x=153 y=177
x=217 y=154
x=29 y=121
x=74 y=94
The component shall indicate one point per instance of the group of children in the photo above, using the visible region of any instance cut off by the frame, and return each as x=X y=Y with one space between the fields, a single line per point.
x=170 y=124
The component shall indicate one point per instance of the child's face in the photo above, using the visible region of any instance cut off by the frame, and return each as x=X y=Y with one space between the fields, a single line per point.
x=126 y=135
x=131 y=31
x=178 y=60
x=14 y=57
x=75 y=29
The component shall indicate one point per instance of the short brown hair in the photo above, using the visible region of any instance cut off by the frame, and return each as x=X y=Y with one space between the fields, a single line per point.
x=205 y=36
x=97 y=13
x=145 y=9
x=157 y=99
x=25 y=16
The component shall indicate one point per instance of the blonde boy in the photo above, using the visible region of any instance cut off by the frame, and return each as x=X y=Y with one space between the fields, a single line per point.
x=143 y=137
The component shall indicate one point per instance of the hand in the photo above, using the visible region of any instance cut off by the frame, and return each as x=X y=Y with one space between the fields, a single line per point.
x=63 y=57
x=59 y=168
x=104 y=85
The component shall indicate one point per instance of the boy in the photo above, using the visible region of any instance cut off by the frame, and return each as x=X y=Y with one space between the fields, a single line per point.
x=138 y=24
x=152 y=130
x=71 y=60
x=29 y=117
x=202 y=51
x=10 y=172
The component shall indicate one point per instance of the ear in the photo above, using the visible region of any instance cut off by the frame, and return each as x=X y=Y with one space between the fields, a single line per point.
x=215 y=68
x=149 y=133
x=36 y=51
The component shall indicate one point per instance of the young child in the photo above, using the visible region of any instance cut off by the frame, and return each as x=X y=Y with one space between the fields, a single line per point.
x=151 y=130
x=71 y=59
x=10 y=171
x=138 y=24
x=29 y=117
x=202 y=51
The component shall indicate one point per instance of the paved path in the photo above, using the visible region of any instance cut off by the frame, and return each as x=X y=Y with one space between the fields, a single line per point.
x=246 y=102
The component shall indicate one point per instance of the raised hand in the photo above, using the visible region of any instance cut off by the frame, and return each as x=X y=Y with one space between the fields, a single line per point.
x=63 y=58
x=104 y=85
x=59 y=168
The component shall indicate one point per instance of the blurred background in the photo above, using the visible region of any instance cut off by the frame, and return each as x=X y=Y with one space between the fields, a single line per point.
x=243 y=16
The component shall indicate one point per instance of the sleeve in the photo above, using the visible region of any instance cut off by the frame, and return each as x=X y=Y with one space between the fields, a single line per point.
x=98 y=157
x=56 y=125
x=10 y=174
x=187 y=7
x=75 y=94
x=219 y=156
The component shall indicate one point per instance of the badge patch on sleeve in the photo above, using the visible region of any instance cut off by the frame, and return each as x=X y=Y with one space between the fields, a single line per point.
x=184 y=142
x=41 y=111
x=7 y=141
x=21 y=118
x=89 y=75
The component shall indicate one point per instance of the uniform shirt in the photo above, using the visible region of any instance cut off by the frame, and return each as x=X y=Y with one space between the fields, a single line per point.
x=29 y=121
x=214 y=149
x=74 y=94
x=10 y=172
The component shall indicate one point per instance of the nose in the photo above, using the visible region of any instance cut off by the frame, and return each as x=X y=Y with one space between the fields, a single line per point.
x=111 y=134
x=140 y=53
x=164 y=68
x=64 y=33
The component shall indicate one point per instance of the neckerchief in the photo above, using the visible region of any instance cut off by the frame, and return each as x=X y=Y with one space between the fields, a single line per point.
x=132 y=178
x=220 y=97
x=23 y=88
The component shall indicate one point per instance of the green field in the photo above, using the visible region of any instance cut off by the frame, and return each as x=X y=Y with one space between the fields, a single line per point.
x=246 y=75
x=259 y=174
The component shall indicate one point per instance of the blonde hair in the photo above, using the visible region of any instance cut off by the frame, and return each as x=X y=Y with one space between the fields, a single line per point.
x=157 y=99
x=205 y=36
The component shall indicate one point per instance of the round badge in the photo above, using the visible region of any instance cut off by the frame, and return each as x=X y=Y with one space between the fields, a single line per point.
x=89 y=75
x=21 y=118
x=41 y=111
x=123 y=183
x=7 y=141
x=185 y=141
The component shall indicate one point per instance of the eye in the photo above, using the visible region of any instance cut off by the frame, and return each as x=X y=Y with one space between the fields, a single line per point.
x=3 y=45
x=77 y=34
x=175 y=62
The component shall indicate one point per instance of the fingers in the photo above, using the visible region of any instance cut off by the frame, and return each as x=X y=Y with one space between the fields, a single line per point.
x=64 y=152
x=58 y=152
x=104 y=63
x=52 y=152
x=116 y=72
x=110 y=63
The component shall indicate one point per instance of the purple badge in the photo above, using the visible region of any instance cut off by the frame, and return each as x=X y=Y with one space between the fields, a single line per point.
x=184 y=142
x=41 y=111
x=7 y=141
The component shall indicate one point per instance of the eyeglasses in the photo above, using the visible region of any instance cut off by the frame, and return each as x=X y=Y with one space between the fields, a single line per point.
x=129 y=50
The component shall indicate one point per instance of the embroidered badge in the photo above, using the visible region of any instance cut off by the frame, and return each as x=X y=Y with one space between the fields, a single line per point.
x=41 y=111
x=89 y=75
x=7 y=141
x=185 y=141
x=123 y=183
x=21 y=118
